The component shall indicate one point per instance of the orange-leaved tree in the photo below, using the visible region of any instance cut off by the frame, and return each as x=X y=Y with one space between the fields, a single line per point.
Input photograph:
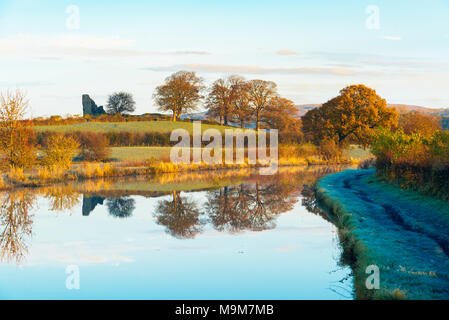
x=180 y=93
x=350 y=117
x=16 y=137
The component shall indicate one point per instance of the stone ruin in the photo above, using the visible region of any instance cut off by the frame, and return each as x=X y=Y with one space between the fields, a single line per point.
x=90 y=108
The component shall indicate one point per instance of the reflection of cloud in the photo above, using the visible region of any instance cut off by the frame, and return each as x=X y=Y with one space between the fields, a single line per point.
x=93 y=259
x=286 y=249
x=26 y=84
x=124 y=259
x=392 y=38
x=215 y=68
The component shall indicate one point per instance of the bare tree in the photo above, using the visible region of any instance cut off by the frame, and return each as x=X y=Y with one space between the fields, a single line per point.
x=180 y=93
x=260 y=93
x=121 y=103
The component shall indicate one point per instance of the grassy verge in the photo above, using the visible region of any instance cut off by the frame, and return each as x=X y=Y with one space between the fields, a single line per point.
x=403 y=233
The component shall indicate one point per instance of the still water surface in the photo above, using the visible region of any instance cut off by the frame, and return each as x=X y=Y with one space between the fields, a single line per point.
x=216 y=236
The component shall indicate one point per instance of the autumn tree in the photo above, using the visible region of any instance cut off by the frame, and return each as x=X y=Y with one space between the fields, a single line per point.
x=351 y=117
x=260 y=93
x=223 y=96
x=60 y=151
x=94 y=147
x=180 y=93
x=281 y=114
x=241 y=103
x=423 y=124
x=15 y=134
x=120 y=103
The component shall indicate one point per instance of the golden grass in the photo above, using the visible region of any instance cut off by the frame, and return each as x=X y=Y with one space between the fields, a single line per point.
x=16 y=174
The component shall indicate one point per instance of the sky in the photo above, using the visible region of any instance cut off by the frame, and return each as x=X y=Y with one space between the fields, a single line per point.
x=59 y=50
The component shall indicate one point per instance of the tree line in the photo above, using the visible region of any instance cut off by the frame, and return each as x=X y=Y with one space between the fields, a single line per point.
x=232 y=99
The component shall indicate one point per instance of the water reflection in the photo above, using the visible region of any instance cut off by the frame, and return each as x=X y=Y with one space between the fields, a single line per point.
x=16 y=225
x=62 y=198
x=90 y=202
x=180 y=216
x=252 y=207
x=229 y=206
x=121 y=207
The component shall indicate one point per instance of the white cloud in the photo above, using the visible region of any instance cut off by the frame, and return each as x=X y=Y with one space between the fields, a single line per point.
x=215 y=68
x=83 y=46
x=392 y=38
x=286 y=53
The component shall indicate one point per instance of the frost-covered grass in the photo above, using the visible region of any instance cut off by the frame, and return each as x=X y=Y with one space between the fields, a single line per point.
x=402 y=232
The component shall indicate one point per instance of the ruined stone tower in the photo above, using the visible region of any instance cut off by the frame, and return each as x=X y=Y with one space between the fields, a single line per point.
x=90 y=108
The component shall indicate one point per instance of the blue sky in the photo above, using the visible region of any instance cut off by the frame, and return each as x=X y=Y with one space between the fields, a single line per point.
x=311 y=49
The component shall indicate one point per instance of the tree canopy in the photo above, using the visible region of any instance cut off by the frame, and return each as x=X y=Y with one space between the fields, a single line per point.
x=180 y=93
x=121 y=103
x=260 y=93
x=423 y=124
x=350 y=117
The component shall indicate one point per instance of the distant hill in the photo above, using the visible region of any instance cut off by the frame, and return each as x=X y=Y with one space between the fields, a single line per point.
x=402 y=108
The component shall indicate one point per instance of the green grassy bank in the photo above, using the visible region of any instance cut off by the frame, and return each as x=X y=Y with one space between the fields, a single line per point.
x=402 y=232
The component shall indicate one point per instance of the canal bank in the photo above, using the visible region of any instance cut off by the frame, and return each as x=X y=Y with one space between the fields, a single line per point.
x=404 y=234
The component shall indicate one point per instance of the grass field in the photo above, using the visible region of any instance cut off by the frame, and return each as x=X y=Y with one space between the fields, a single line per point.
x=138 y=126
x=139 y=153
x=357 y=152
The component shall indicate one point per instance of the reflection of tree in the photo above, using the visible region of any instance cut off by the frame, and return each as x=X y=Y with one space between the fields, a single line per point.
x=121 y=207
x=62 y=198
x=249 y=207
x=180 y=216
x=228 y=208
x=16 y=225
x=309 y=200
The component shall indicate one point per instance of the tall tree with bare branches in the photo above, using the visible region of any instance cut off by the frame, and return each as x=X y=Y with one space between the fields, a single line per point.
x=180 y=93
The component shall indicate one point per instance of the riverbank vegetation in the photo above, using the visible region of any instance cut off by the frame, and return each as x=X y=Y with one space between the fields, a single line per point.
x=414 y=160
x=38 y=152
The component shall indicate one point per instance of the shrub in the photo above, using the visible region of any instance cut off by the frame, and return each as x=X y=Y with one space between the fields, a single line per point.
x=94 y=147
x=329 y=150
x=60 y=151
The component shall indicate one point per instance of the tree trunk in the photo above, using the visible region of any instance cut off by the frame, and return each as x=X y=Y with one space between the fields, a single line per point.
x=257 y=120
